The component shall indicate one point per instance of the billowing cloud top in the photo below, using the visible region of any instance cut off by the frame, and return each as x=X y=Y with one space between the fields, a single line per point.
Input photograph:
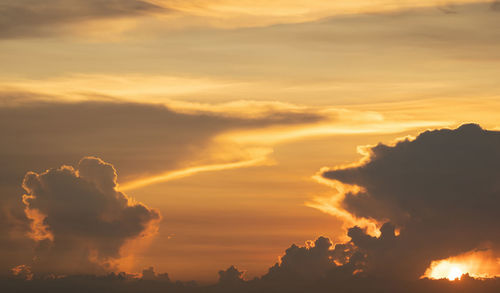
x=80 y=219
x=441 y=189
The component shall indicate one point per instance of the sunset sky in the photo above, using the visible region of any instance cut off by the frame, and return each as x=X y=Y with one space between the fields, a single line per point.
x=238 y=128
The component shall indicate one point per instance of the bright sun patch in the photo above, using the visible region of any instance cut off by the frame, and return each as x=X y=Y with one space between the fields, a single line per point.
x=477 y=264
x=455 y=273
x=446 y=270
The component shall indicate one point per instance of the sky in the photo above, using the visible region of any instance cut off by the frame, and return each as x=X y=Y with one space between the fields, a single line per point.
x=192 y=136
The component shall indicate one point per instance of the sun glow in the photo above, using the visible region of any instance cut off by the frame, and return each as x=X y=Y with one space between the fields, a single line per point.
x=447 y=270
x=455 y=273
x=477 y=264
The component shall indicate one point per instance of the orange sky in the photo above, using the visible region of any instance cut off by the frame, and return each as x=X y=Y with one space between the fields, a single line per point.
x=374 y=71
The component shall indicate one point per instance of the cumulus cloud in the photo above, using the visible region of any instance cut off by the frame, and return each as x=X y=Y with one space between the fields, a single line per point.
x=80 y=220
x=309 y=262
x=442 y=190
x=317 y=260
x=31 y=17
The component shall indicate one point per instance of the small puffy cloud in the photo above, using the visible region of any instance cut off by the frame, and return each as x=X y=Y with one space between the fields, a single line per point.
x=311 y=262
x=442 y=190
x=230 y=276
x=149 y=274
x=79 y=218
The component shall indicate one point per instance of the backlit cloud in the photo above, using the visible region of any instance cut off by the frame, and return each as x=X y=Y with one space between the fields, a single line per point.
x=441 y=189
x=83 y=221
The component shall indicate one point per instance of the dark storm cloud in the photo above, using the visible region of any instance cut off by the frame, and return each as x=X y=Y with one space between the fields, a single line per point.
x=442 y=189
x=19 y=18
x=140 y=140
x=84 y=220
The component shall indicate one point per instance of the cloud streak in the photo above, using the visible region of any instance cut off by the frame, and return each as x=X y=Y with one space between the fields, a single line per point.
x=172 y=175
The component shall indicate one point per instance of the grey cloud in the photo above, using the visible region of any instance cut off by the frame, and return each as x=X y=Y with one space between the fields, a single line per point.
x=88 y=220
x=20 y=18
x=318 y=260
x=442 y=189
x=306 y=263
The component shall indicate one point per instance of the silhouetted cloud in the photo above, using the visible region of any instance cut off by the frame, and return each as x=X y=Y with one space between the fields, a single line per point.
x=441 y=189
x=230 y=276
x=306 y=263
x=79 y=218
x=20 y=18
x=149 y=274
